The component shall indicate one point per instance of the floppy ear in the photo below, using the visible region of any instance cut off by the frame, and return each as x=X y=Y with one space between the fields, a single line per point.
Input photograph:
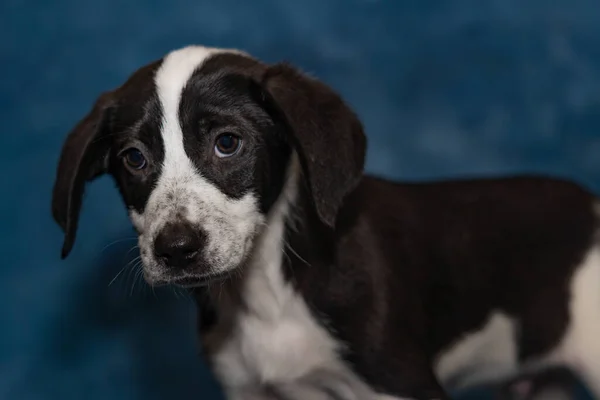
x=327 y=135
x=83 y=158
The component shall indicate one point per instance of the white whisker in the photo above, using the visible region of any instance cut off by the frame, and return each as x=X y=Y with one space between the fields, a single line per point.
x=116 y=276
x=136 y=277
x=117 y=241
x=296 y=254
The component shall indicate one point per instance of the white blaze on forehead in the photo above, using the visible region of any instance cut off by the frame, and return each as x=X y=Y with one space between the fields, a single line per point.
x=174 y=73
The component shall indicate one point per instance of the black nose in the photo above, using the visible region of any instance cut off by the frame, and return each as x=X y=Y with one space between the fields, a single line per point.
x=178 y=245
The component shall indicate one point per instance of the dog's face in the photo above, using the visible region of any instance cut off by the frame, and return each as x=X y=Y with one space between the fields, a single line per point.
x=199 y=144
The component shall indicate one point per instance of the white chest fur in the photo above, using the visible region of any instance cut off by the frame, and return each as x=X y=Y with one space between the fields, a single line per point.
x=275 y=338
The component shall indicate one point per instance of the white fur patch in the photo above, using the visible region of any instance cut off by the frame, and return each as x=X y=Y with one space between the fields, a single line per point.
x=181 y=190
x=484 y=355
x=580 y=347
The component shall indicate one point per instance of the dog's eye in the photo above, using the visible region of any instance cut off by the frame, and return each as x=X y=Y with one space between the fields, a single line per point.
x=134 y=159
x=227 y=145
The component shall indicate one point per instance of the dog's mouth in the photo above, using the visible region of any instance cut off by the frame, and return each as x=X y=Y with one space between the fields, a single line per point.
x=192 y=281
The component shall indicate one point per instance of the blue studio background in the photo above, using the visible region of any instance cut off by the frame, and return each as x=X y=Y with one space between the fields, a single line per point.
x=445 y=88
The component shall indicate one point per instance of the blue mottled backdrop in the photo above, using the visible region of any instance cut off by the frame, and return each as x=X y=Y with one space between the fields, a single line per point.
x=445 y=88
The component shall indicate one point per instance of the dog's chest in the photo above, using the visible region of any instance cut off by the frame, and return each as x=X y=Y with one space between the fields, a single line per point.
x=275 y=339
x=273 y=336
x=272 y=350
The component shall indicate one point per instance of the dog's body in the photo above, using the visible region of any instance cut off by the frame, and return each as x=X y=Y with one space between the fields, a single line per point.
x=314 y=281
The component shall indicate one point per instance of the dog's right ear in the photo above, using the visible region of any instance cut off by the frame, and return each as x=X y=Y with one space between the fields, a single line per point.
x=84 y=157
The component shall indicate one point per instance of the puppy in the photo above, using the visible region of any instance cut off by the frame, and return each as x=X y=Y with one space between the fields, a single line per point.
x=245 y=183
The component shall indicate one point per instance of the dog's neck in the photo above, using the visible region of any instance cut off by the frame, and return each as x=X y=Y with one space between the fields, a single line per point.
x=261 y=280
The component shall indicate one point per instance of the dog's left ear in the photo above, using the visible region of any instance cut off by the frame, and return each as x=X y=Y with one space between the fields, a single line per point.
x=83 y=158
x=326 y=133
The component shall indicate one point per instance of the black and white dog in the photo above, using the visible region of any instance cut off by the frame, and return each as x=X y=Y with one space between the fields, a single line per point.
x=245 y=183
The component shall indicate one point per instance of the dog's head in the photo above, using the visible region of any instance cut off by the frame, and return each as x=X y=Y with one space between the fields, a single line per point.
x=199 y=144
